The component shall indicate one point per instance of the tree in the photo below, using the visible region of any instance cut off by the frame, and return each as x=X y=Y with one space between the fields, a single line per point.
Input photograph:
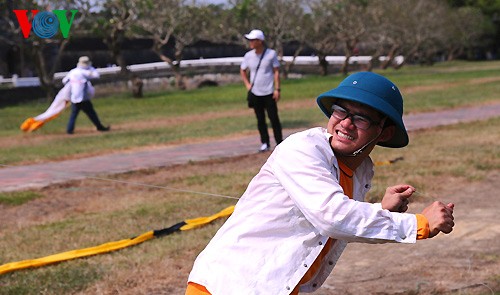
x=282 y=22
x=465 y=27
x=412 y=28
x=114 y=25
x=351 y=25
x=172 y=24
x=321 y=29
x=490 y=9
x=244 y=16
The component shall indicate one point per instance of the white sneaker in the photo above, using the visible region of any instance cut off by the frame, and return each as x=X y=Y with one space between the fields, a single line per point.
x=264 y=148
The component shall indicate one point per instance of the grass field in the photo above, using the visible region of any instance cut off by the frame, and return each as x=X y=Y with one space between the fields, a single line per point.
x=89 y=212
x=173 y=117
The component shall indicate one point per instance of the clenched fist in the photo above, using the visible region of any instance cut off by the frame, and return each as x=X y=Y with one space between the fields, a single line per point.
x=440 y=217
x=396 y=197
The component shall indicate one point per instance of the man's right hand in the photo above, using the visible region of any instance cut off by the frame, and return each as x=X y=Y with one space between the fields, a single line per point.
x=440 y=218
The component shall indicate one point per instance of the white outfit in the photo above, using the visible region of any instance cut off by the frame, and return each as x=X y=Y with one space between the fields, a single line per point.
x=79 y=79
x=285 y=217
x=264 y=83
x=57 y=105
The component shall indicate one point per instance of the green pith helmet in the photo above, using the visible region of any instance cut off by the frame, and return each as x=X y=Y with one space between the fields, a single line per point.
x=374 y=91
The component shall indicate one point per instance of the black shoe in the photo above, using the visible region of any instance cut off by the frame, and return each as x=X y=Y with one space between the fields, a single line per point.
x=104 y=129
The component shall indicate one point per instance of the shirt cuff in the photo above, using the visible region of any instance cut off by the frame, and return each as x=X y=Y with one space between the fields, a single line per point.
x=422 y=227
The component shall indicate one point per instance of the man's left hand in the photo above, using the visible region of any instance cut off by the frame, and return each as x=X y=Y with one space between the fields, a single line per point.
x=276 y=95
x=396 y=197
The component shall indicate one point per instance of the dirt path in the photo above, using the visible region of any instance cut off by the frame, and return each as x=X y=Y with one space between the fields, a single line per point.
x=464 y=262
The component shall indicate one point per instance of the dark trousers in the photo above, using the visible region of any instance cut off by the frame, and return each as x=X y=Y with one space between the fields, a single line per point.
x=87 y=107
x=263 y=104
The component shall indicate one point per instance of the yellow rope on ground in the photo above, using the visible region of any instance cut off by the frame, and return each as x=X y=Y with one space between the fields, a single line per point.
x=112 y=246
x=73 y=254
x=196 y=222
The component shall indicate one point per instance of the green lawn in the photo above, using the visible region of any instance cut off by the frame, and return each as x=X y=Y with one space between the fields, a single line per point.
x=175 y=116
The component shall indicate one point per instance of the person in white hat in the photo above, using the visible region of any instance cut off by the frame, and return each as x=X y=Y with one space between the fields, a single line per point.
x=260 y=73
x=81 y=93
x=306 y=204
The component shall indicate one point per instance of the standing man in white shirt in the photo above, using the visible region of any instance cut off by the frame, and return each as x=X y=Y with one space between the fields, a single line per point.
x=260 y=73
x=82 y=92
x=307 y=202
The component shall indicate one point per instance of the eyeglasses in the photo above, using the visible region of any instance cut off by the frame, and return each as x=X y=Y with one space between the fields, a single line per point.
x=359 y=121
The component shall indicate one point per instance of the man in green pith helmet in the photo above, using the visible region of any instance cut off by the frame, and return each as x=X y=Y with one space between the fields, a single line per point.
x=307 y=202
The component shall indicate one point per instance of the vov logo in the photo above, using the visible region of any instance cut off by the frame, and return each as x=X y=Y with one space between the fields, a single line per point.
x=45 y=24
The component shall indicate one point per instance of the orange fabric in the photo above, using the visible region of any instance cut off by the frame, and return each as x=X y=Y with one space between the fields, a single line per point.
x=27 y=123
x=422 y=227
x=346 y=183
x=36 y=125
x=345 y=179
x=196 y=289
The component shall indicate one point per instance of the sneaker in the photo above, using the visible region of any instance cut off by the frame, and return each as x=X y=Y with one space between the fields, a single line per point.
x=104 y=129
x=264 y=148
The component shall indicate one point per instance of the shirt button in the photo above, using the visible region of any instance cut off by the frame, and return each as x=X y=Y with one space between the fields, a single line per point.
x=315 y=285
x=287 y=287
x=403 y=237
x=367 y=185
x=330 y=262
x=305 y=265
x=320 y=243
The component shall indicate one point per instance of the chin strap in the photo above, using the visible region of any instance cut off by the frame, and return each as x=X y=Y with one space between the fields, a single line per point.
x=357 y=152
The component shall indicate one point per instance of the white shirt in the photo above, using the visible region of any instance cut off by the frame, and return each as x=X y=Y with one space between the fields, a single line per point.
x=79 y=79
x=264 y=82
x=285 y=217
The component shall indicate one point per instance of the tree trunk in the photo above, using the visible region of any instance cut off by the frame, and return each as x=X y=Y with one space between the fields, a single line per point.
x=114 y=43
x=323 y=64
x=45 y=83
x=179 y=79
x=390 y=57
x=349 y=47
x=455 y=52
x=374 y=60
x=137 y=85
x=289 y=65
x=345 y=65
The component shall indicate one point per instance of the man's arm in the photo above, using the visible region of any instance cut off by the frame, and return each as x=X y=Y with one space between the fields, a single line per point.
x=277 y=84
x=93 y=73
x=244 y=77
x=433 y=219
x=65 y=79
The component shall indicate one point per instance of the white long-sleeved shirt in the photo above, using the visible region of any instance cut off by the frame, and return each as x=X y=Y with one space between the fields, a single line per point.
x=79 y=79
x=285 y=217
